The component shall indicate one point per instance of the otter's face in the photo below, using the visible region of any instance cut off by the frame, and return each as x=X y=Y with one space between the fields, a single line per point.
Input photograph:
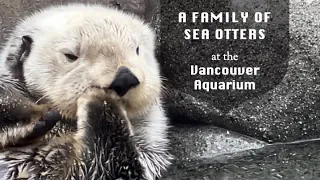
x=113 y=53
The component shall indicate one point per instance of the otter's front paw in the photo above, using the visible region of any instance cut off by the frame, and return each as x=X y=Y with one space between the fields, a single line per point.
x=96 y=110
x=42 y=120
x=45 y=123
x=98 y=103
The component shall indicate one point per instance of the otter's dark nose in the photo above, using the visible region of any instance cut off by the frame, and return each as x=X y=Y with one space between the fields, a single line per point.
x=124 y=81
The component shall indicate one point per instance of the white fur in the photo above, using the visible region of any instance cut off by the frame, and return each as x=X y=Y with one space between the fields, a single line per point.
x=154 y=154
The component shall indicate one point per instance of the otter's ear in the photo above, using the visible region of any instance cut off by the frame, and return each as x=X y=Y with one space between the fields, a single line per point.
x=18 y=55
x=26 y=47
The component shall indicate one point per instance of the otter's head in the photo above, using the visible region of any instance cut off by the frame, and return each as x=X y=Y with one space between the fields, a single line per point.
x=85 y=47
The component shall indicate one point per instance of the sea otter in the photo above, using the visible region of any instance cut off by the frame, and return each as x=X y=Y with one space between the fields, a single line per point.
x=63 y=54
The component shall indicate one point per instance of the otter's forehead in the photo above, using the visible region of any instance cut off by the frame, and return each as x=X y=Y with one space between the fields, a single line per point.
x=106 y=31
x=104 y=26
x=96 y=35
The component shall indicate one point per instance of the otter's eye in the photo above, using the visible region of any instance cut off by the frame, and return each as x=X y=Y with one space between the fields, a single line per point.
x=71 y=57
x=137 y=50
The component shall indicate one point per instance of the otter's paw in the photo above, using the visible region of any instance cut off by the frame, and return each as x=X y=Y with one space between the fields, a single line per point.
x=98 y=103
x=45 y=123
x=41 y=121
x=96 y=111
